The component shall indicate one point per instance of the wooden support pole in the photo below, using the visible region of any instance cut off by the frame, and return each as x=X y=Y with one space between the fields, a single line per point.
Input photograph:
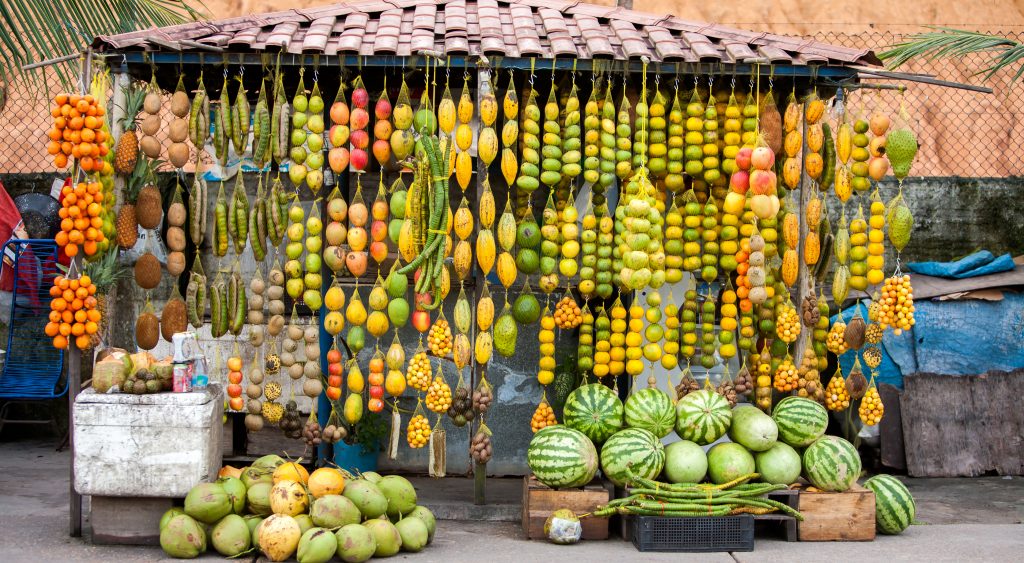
x=75 y=369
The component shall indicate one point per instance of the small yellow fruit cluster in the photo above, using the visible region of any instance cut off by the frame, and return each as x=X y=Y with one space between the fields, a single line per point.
x=420 y=372
x=634 y=341
x=543 y=417
x=546 y=337
x=876 y=243
x=726 y=345
x=670 y=358
x=837 y=398
x=439 y=339
x=568 y=314
x=439 y=396
x=871 y=407
x=787 y=323
x=786 y=376
x=617 y=340
x=835 y=341
x=897 y=304
x=418 y=432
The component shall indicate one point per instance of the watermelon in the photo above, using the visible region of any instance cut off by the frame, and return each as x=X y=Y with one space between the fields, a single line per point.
x=685 y=462
x=801 y=421
x=894 y=506
x=562 y=457
x=780 y=464
x=728 y=461
x=632 y=450
x=831 y=464
x=594 y=410
x=652 y=410
x=702 y=417
x=753 y=429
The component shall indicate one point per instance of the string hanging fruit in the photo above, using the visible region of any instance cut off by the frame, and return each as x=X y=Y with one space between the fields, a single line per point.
x=359 y=119
x=439 y=394
x=78 y=132
x=550 y=246
x=763 y=382
x=878 y=164
x=356 y=315
x=464 y=137
x=689 y=324
x=859 y=252
x=379 y=211
x=876 y=237
x=602 y=344
x=546 y=338
x=674 y=162
x=809 y=385
x=732 y=139
x=592 y=138
x=571 y=137
x=312 y=279
x=382 y=128
x=605 y=253
x=338 y=156
x=543 y=416
x=707 y=332
x=567 y=313
x=692 y=227
x=658 y=137
x=530 y=164
x=607 y=148
x=585 y=345
x=623 y=144
x=897 y=304
x=814 y=161
x=670 y=349
x=787 y=376
x=654 y=332
x=588 y=253
x=80 y=219
x=820 y=334
x=74 y=316
x=510 y=132
x=860 y=154
x=569 y=235
x=617 y=338
x=727 y=325
x=710 y=150
x=871 y=408
x=694 y=138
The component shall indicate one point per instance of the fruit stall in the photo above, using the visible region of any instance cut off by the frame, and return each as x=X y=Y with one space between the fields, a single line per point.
x=494 y=238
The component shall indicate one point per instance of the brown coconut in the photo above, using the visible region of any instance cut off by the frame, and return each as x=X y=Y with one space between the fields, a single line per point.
x=147 y=271
x=177 y=154
x=150 y=146
x=177 y=132
x=180 y=105
x=147 y=331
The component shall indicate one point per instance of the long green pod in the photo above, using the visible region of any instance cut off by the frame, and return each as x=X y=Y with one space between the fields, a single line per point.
x=257 y=243
x=190 y=302
x=232 y=204
x=242 y=215
x=200 y=296
x=216 y=312
x=240 y=118
x=828 y=175
x=238 y=305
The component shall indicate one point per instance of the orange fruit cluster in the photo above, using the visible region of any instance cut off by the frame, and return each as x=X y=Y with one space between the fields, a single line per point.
x=78 y=132
x=81 y=221
x=418 y=432
x=335 y=370
x=543 y=417
x=568 y=314
x=234 y=389
x=786 y=376
x=73 y=313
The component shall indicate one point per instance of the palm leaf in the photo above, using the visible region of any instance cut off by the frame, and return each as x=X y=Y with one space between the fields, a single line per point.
x=36 y=30
x=946 y=43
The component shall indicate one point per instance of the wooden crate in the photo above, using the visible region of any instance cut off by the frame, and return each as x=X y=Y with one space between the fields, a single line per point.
x=127 y=520
x=539 y=501
x=846 y=516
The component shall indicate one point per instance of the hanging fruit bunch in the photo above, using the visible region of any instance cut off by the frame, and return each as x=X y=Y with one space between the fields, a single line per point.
x=254 y=390
x=402 y=140
x=550 y=246
x=81 y=224
x=377 y=323
x=73 y=312
x=235 y=376
x=356 y=315
x=480 y=448
x=486 y=247
x=510 y=133
x=359 y=120
x=355 y=383
x=335 y=373
x=859 y=252
x=78 y=132
x=464 y=137
x=394 y=360
x=376 y=380
x=417 y=433
x=338 y=134
x=878 y=164
x=382 y=128
x=543 y=416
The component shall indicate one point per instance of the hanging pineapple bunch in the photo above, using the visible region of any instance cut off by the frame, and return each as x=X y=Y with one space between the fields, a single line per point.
x=127 y=150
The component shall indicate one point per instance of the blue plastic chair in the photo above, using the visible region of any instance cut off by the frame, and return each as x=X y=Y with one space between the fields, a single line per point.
x=33 y=370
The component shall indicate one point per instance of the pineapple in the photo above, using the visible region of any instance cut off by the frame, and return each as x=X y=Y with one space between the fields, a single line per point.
x=126 y=223
x=127 y=152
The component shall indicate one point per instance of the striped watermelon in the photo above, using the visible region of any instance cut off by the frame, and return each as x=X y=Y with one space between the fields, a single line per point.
x=831 y=464
x=801 y=421
x=702 y=417
x=652 y=410
x=594 y=410
x=633 y=449
x=894 y=506
x=562 y=457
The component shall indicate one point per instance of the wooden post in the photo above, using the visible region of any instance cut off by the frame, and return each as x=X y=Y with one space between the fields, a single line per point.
x=75 y=368
x=479 y=469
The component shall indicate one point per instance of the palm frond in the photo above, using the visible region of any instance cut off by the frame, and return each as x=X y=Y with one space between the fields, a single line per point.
x=36 y=30
x=946 y=43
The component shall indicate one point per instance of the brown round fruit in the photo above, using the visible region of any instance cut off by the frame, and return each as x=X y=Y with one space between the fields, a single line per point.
x=147 y=271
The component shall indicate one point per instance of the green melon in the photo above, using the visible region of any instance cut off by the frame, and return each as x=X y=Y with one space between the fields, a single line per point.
x=894 y=506
x=831 y=464
x=728 y=461
x=685 y=462
x=652 y=410
x=780 y=464
x=594 y=410
x=801 y=421
x=526 y=308
x=562 y=457
x=753 y=429
x=635 y=451
x=702 y=417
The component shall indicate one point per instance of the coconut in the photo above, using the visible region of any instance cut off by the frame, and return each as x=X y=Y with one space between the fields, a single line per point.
x=400 y=494
x=424 y=513
x=389 y=541
x=325 y=481
x=333 y=511
x=258 y=498
x=252 y=520
x=367 y=498
x=304 y=522
x=171 y=513
x=208 y=503
x=183 y=537
x=268 y=462
x=255 y=528
x=414 y=534
x=288 y=497
x=371 y=476
x=355 y=543
x=108 y=373
x=279 y=537
x=316 y=545
x=231 y=536
x=236 y=492
x=177 y=154
x=253 y=474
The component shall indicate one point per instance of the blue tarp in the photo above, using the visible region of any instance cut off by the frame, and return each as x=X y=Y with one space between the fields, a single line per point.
x=980 y=263
x=956 y=337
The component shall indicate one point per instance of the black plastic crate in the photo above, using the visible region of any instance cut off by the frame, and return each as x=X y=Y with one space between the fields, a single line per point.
x=700 y=534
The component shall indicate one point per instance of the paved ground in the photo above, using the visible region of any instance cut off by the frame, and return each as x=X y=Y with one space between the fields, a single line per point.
x=962 y=520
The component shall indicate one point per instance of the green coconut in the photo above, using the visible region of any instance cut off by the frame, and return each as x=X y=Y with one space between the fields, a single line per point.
x=334 y=511
x=183 y=537
x=424 y=513
x=355 y=543
x=367 y=498
x=316 y=545
x=208 y=503
x=236 y=491
x=414 y=534
x=231 y=536
x=400 y=493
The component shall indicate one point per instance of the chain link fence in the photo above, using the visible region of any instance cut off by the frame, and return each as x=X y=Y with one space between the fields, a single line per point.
x=960 y=133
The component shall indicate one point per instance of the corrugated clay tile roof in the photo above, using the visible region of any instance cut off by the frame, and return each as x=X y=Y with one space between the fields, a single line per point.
x=511 y=28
